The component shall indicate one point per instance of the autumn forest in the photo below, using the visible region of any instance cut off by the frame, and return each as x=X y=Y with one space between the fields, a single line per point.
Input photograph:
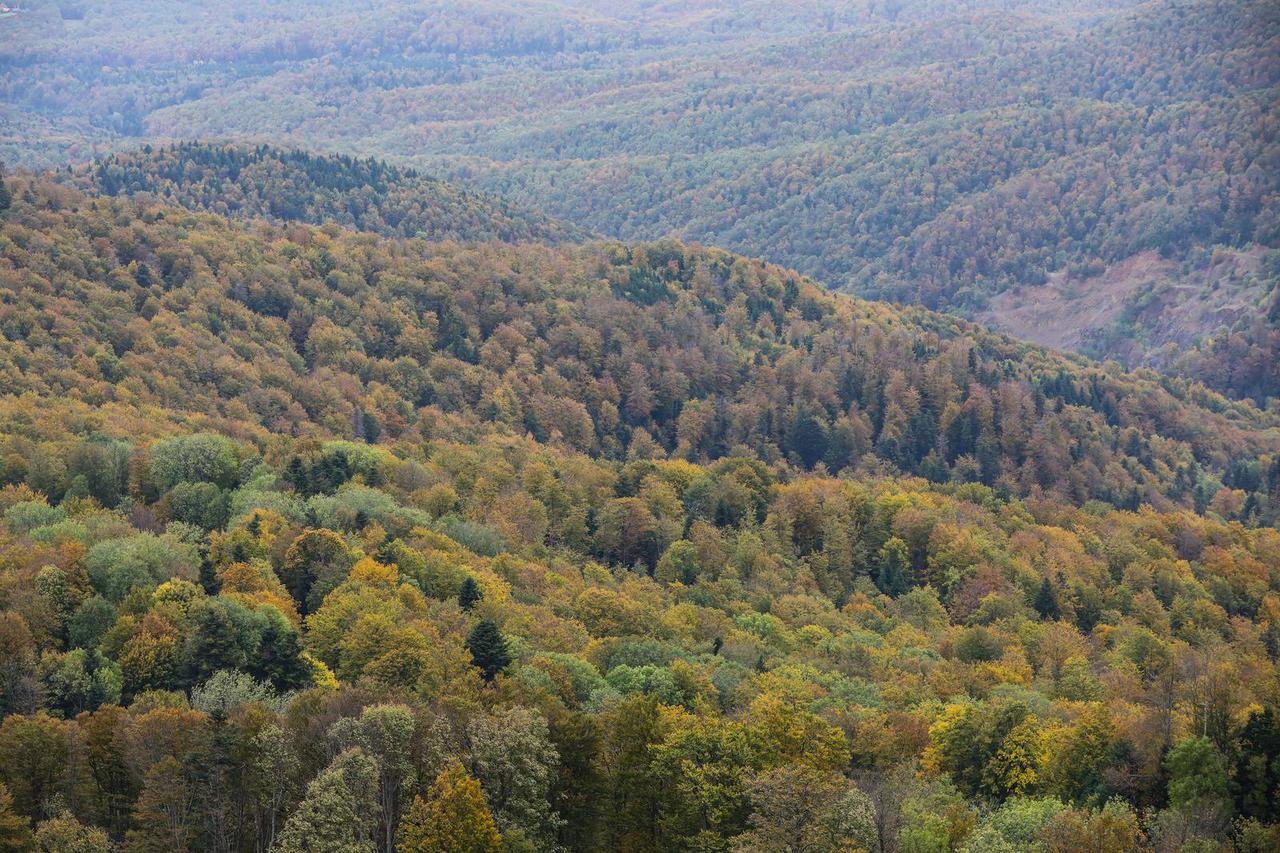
x=466 y=427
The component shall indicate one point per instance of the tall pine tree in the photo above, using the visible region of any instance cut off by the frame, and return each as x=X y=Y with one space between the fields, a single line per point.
x=1046 y=602
x=488 y=648
x=470 y=594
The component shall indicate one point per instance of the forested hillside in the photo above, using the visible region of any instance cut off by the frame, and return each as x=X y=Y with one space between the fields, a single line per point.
x=603 y=347
x=293 y=186
x=1090 y=175
x=315 y=539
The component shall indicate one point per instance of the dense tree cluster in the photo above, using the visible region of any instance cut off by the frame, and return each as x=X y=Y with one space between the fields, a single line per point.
x=925 y=151
x=796 y=639
x=368 y=195
x=318 y=540
x=504 y=645
x=1244 y=361
x=603 y=348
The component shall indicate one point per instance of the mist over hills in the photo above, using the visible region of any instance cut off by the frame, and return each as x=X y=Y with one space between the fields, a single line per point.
x=1103 y=172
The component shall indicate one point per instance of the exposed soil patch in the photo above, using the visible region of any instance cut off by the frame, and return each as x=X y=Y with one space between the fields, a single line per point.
x=1136 y=310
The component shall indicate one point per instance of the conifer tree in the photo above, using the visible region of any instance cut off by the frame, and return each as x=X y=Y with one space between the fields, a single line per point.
x=488 y=648
x=1046 y=602
x=470 y=594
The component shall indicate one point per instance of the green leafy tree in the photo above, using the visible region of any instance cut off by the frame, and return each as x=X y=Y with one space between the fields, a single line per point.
x=1015 y=768
x=894 y=574
x=1197 y=772
x=1020 y=821
x=850 y=822
x=679 y=564
x=198 y=458
x=512 y=755
x=1199 y=792
x=89 y=622
x=273 y=766
x=336 y=815
x=385 y=733
x=80 y=680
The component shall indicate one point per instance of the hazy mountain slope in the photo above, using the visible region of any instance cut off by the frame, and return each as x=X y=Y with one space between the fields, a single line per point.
x=368 y=195
x=932 y=152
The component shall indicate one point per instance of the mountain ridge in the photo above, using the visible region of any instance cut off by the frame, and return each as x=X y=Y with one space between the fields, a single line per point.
x=433 y=325
x=293 y=185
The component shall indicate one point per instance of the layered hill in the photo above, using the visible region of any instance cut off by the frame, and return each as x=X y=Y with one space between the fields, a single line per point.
x=1096 y=176
x=293 y=186
x=314 y=538
x=604 y=348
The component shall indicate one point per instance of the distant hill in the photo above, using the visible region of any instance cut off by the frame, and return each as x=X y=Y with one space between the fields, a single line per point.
x=1018 y=160
x=244 y=182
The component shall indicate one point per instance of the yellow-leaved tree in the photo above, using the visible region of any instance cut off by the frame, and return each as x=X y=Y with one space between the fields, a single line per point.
x=453 y=818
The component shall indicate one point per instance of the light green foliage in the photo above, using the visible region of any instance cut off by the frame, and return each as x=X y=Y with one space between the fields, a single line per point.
x=229 y=690
x=851 y=822
x=334 y=816
x=202 y=505
x=679 y=564
x=515 y=762
x=117 y=566
x=385 y=733
x=198 y=458
x=934 y=817
x=1020 y=821
x=1197 y=772
x=80 y=680
x=271 y=778
x=353 y=502
x=29 y=515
